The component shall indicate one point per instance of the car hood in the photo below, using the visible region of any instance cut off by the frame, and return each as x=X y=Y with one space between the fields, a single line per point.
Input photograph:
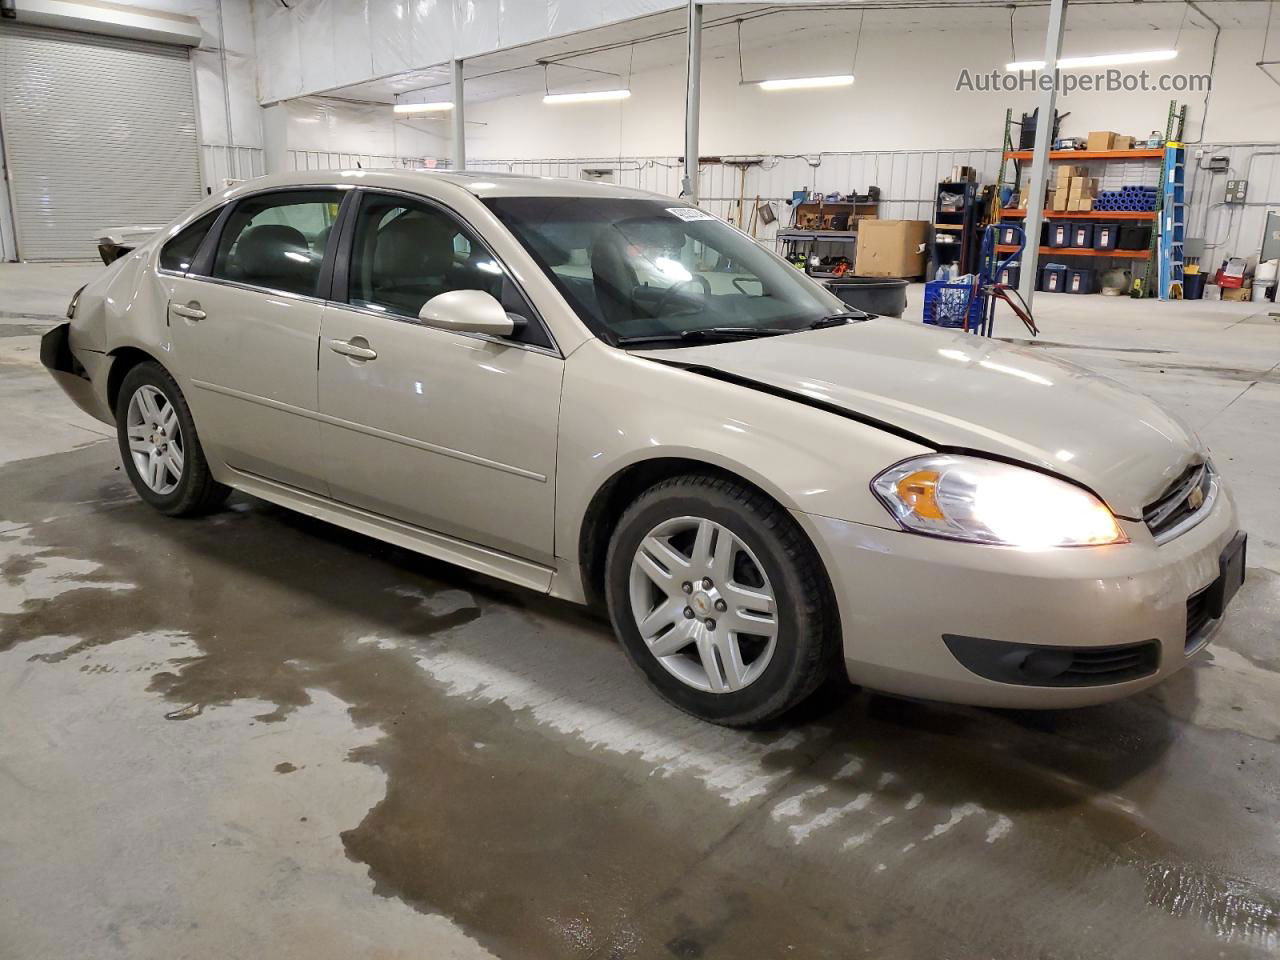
x=955 y=390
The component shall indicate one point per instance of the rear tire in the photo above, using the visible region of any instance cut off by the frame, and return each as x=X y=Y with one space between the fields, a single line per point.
x=159 y=445
x=745 y=628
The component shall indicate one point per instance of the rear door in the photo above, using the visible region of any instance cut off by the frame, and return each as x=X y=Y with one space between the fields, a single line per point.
x=245 y=325
x=452 y=432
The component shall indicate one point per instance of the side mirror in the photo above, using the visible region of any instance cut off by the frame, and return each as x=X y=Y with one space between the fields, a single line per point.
x=467 y=311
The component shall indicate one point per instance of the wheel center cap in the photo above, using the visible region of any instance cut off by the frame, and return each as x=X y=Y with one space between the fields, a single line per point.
x=701 y=603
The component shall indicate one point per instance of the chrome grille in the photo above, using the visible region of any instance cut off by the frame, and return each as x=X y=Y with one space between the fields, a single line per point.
x=1190 y=494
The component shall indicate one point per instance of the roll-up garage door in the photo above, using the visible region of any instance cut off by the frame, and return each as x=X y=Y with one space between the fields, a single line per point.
x=98 y=132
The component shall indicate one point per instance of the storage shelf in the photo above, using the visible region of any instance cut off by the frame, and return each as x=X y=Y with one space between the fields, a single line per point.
x=1010 y=213
x=817 y=235
x=1056 y=155
x=1081 y=252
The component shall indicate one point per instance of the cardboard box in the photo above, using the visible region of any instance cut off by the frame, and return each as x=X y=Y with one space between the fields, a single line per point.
x=1068 y=170
x=891 y=248
x=1122 y=143
x=962 y=173
x=1101 y=140
x=1058 y=200
x=1082 y=187
x=1238 y=294
x=1080 y=204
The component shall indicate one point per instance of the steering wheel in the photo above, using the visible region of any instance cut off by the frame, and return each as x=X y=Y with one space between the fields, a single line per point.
x=670 y=291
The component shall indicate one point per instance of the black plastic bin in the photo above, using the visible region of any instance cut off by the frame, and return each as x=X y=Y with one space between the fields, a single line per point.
x=882 y=296
x=1134 y=236
x=1010 y=275
x=1193 y=286
x=1059 y=233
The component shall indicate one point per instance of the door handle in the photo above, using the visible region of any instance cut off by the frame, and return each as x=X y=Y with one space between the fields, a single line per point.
x=357 y=348
x=191 y=310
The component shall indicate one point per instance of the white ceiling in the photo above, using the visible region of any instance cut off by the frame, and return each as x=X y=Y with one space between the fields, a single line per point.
x=657 y=41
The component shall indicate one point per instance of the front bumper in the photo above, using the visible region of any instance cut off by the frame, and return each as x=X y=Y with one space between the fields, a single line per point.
x=901 y=594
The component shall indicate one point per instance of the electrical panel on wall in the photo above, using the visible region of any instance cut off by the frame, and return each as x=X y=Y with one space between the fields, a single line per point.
x=1236 y=191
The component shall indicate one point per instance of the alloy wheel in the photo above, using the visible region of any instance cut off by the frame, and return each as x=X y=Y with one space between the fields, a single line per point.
x=155 y=439
x=703 y=604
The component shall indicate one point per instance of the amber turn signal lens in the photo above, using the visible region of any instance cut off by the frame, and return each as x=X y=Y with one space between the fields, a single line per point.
x=920 y=491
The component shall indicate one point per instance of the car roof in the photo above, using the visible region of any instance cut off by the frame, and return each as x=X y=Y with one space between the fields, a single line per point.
x=480 y=183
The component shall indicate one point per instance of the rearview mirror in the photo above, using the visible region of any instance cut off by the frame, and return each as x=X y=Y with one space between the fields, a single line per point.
x=467 y=311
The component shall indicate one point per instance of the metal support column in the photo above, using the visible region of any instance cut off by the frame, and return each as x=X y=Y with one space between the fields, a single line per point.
x=1048 y=105
x=459 y=121
x=693 y=97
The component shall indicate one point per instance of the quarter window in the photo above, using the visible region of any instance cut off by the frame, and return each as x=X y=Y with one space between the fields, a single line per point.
x=179 y=252
x=278 y=241
x=404 y=253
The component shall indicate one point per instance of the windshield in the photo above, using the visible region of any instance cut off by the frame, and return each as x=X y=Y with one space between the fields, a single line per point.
x=652 y=269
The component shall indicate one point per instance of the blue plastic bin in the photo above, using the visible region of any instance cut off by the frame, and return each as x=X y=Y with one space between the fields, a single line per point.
x=1009 y=275
x=1105 y=236
x=1080 y=280
x=1059 y=233
x=944 y=304
x=1010 y=233
x=1053 y=277
x=1081 y=234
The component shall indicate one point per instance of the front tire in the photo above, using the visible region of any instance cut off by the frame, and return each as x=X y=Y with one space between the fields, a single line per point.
x=159 y=445
x=720 y=600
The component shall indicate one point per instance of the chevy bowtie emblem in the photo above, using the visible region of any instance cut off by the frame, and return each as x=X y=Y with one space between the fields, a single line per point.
x=1195 y=498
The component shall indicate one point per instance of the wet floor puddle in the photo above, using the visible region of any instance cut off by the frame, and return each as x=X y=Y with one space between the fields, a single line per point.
x=540 y=796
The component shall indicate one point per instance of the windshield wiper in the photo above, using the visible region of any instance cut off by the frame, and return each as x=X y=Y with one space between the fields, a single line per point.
x=706 y=335
x=839 y=319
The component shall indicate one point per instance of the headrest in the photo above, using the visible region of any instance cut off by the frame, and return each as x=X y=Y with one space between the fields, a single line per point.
x=276 y=250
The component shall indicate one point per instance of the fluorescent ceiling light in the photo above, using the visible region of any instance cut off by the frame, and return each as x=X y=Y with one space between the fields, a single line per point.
x=586 y=97
x=807 y=83
x=1100 y=60
x=439 y=107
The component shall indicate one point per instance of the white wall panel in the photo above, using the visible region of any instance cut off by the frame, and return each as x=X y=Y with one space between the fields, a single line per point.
x=318 y=45
x=327 y=125
x=404 y=34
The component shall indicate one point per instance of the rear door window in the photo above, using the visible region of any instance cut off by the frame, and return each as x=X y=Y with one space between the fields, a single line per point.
x=278 y=241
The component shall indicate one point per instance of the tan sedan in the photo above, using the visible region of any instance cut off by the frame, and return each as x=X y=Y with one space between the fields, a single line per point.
x=611 y=396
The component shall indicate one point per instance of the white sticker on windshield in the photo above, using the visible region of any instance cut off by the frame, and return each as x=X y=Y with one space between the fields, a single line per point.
x=689 y=214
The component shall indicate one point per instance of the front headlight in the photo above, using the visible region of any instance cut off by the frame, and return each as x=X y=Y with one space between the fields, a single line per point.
x=968 y=498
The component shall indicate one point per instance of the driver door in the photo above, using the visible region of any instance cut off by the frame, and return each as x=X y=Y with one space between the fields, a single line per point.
x=451 y=432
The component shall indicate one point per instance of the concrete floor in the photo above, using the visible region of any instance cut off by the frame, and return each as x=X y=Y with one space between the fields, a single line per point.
x=255 y=735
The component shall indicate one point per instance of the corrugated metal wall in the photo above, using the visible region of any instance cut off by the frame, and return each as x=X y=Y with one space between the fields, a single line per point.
x=906 y=179
x=334 y=160
x=1234 y=230
x=99 y=132
x=220 y=163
